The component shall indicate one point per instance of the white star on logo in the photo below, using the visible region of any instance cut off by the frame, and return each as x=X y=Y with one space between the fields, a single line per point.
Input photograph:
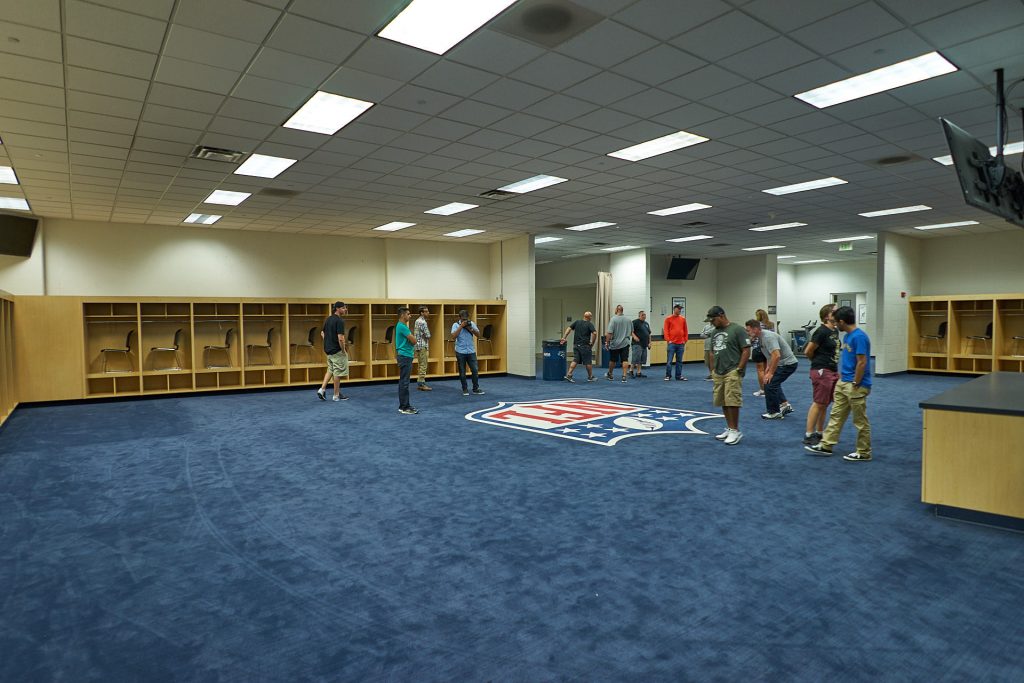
x=595 y=435
x=618 y=429
x=568 y=430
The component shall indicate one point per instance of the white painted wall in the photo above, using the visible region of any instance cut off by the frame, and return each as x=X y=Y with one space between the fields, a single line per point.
x=745 y=284
x=572 y=272
x=24 y=275
x=788 y=306
x=808 y=288
x=701 y=293
x=631 y=281
x=990 y=263
x=564 y=302
x=519 y=290
x=117 y=259
x=899 y=272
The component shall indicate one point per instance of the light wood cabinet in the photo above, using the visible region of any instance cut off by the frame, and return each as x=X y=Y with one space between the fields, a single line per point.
x=132 y=346
x=8 y=386
x=966 y=334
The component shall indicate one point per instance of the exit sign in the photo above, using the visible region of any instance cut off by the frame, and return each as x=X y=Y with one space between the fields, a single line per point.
x=846 y=246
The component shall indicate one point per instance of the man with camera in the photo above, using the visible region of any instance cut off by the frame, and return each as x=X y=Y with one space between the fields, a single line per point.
x=463 y=333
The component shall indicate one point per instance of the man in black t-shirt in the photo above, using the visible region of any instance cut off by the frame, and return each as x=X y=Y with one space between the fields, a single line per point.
x=333 y=334
x=583 y=345
x=641 y=338
x=823 y=351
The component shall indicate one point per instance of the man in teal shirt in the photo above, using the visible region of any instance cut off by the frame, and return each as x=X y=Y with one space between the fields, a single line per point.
x=405 y=342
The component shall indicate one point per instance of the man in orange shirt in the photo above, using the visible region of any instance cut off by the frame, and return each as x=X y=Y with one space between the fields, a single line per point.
x=676 y=335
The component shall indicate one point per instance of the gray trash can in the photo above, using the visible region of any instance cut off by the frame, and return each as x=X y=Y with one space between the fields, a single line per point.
x=554 y=359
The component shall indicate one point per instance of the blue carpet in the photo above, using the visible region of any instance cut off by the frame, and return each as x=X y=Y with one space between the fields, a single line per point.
x=275 y=537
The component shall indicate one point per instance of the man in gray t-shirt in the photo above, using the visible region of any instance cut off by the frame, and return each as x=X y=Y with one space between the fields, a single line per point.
x=781 y=364
x=616 y=340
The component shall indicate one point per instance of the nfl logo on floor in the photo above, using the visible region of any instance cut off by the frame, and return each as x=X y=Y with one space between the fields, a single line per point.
x=590 y=420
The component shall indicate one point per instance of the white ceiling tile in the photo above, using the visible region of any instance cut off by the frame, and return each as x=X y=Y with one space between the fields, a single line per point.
x=523 y=125
x=361 y=85
x=856 y=25
x=171 y=133
x=511 y=94
x=392 y=60
x=194 y=45
x=39 y=13
x=421 y=100
x=113 y=58
x=475 y=113
x=174 y=71
x=272 y=92
x=724 y=36
x=28 y=41
x=605 y=88
x=914 y=11
x=318 y=41
x=555 y=72
x=880 y=52
x=796 y=13
x=660 y=64
x=174 y=96
x=768 y=58
x=31 y=70
x=495 y=52
x=113 y=26
x=157 y=9
x=234 y=18
x=32 y=112
x=667 y=18
x=971 y=22
x=103 y=83
x=104 y=122
x=606 y=44
x=291 y=68
x=37 y=128
x=454 y=78
x=174 y=116
x=649 y=103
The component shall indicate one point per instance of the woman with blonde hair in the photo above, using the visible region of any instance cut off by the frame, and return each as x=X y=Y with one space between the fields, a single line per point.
x=756 y=355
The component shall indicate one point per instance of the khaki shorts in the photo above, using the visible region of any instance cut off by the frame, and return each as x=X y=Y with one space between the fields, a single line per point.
x=337 y=364
x=728 y=391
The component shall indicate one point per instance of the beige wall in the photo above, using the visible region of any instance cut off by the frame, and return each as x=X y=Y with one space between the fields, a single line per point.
x=115 y=259
x=701 y=293
x=990 y=263
x=21 y=275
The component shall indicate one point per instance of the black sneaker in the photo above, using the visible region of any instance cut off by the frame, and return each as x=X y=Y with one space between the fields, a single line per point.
x=591 y=379
x=668 y=378
x=680 y=379
x=465 y=392
x=608 y=376
x=857 y=457
x=569 y=379
x=814 y=438
x=408 y=411
x=321 y=394
x=479 y=392
x=819 y=449
x=708 y=378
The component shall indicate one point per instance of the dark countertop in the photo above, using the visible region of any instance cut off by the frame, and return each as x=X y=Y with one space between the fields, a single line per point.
x=692 y=337
x=998 y=393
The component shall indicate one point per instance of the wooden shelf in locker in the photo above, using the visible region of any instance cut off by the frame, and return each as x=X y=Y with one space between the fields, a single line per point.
x=8 y=389
x=965 y=334
x=165 y=337
x=112 y=339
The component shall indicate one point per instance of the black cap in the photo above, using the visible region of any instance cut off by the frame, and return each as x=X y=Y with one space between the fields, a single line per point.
x=675 y=306
x=338 y=304
x=714 y=312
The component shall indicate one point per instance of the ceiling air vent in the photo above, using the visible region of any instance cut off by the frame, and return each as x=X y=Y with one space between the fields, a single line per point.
x=216 y=154
x=898 y=159
x=546 y=22
x=694 y=224
x=599 y=244
x=720 y=244
x=559 y=226
x=496 y=194
x=277 y=192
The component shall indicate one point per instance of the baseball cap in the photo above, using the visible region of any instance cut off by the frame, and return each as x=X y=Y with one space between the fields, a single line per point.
x=714 y=312
x=338 y=304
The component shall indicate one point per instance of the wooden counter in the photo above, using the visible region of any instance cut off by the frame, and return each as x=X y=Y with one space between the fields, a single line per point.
x=692 y=353
x=972 y=456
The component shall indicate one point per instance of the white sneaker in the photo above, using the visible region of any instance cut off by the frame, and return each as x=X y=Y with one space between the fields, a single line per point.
x=758 y=393
x=724 y=435
x=733 y=438
x=786 y=409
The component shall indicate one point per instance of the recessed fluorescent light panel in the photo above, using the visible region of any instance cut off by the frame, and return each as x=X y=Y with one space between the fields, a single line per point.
x=535 y=183
x=7 y=176
x=463 y=233
x=892 y=212
x=203 y=218
x=16 y=203
x=679 y=209
x=393 y=226
x=1012 y=148
x=662 y=145
x=543 y=240
x=439 y=25
x=770 y=246
x=449 y=209
x=780 y=226
x=619 y=248
x=326 y=113
x=782 y=256
x=944 y=225
x=263 y=166
x=888 y=77
x=850 y=239
x=691 y=238
x=816 y=260
x=226 y=197
x=590 y=226
x=803 y=187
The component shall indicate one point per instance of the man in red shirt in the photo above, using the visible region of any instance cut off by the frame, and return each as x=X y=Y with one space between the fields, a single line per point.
x=676 y=335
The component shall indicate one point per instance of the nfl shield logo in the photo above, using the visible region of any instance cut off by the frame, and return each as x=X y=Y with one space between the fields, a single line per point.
x=591 y=420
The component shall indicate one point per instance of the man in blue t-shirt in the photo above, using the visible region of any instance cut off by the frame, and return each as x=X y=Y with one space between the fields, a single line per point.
x=851 y=391
x=463 y=333
x=405 y=342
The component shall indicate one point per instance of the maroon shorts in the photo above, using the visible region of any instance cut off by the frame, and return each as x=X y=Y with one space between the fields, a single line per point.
x=823 y=385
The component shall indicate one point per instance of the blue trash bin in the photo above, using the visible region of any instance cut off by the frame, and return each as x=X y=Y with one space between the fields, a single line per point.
x=554 y=359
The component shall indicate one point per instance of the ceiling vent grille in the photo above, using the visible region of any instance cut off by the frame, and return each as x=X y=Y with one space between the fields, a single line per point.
x=277 y=192
x=496 y=194
x=694 y=224
x=216 y=154
x=546 y=22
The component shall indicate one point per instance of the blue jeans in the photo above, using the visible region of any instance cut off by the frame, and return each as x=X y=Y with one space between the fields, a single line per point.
x=774 y=396
x=677 y=351
x=469 y=359
x=404 y=373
